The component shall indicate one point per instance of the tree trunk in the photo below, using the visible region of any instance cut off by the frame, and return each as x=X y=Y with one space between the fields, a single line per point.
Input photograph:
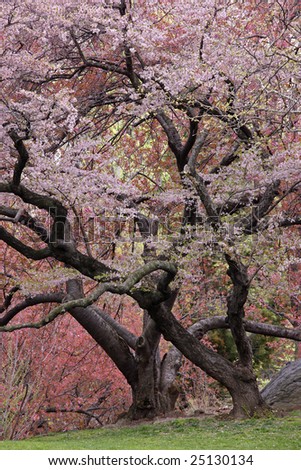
x=169 y=391
x=245 y=392
x=145 y=393
x=247 y=400
x=153 y=395
x=151 y=382
x=154 y=392
x=239 y=380
x=149 y=400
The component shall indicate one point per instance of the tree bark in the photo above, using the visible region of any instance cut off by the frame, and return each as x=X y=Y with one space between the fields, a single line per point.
x=151 y=381
x=239 y=379
x=145 y=394
x=155 y=392
x=246 y=398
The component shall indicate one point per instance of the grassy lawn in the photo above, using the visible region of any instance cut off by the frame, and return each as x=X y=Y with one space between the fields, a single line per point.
x=206 y=433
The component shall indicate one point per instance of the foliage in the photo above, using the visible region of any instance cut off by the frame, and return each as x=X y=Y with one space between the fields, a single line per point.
x=20 y=392
x=57 y=379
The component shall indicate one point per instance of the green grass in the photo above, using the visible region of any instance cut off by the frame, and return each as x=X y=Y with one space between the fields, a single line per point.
x=207 y=433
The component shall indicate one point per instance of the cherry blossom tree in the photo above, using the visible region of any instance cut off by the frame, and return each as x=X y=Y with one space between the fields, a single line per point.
x=146 y=146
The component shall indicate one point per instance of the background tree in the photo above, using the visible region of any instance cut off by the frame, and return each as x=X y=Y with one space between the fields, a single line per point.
x=56 y=379
x=147 y=146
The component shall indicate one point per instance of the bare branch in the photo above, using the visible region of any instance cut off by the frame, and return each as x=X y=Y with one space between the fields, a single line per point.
x=199 y=143
x=262 y=208
x=200 y=328
x=116 y=288
x=23 y=157
x=125 y=334
x=289 y=222
x=50 y=204
x=174 y=139
x=193 y=132
x=61 y=245
x=56 y=297
x=228 y=159
x=22 y=217
x=25 y=250
x=200 y=187
x=235 y=308
x=289 y=191
x=8 y=299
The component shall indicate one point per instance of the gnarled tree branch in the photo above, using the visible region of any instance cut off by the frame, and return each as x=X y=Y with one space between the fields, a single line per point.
x=113 y=287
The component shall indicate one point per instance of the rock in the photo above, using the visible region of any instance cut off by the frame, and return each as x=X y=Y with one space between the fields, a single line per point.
x=283 y=392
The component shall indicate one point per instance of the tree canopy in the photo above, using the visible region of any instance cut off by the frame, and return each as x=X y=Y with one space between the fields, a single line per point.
x=152 y=149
